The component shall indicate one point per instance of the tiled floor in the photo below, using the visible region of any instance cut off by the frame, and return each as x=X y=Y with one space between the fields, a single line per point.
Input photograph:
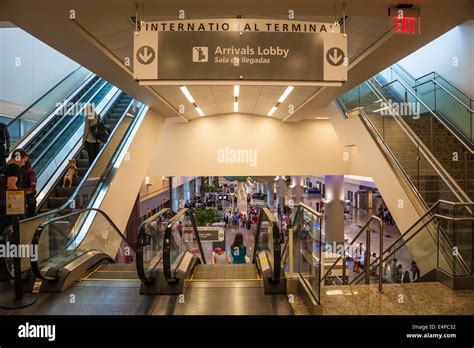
x=398 y=299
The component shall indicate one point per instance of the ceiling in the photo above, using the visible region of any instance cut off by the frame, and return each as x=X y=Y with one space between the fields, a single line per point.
x=104 y=38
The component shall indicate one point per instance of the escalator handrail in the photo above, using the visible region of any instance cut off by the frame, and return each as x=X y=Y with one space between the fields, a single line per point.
x=58 y=134
x=37 y=237
x=170 y=278
x=139 y=247
x=45 y=94
x=91 y=167
x=442 y=172
x=276 y=267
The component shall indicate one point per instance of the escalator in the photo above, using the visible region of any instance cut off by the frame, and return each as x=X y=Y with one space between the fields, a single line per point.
x=215 y=289
x=77 y=233
x=59 y=194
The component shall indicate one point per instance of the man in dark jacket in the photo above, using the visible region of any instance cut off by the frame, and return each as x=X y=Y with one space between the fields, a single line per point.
x=4 y=144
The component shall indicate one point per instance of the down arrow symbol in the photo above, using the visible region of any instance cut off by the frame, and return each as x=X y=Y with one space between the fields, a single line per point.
x=335 y=56
x=145 y=55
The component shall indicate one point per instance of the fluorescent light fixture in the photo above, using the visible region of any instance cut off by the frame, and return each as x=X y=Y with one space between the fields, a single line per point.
x=199 y=111
x=236 y=106
x=272 y=111
x=186 y=93
x=285 y=94
x=236 y=90
x=322 y=118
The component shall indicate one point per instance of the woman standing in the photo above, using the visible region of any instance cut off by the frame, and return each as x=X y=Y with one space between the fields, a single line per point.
x=90 y=142
x=238 y=250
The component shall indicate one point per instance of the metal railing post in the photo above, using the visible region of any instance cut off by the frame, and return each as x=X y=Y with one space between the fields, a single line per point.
x=381 y=257
x=367 y=256
x=290 y=251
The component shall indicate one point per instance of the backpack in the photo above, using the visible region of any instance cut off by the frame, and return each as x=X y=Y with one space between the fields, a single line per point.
x=100 y=131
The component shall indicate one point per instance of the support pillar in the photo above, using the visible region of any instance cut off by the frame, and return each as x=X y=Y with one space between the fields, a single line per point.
x=334 y=209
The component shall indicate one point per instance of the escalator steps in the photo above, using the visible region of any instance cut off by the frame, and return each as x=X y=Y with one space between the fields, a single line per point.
x=113 y=272
x=226 y=272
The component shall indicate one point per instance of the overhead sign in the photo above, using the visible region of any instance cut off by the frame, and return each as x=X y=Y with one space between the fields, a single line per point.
x=211 y=234
x=243 y=50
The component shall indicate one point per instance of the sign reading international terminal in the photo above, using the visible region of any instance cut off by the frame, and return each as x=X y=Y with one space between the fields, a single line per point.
x=243 y=50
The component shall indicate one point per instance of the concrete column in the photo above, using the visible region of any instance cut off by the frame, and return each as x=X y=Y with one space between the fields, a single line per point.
x=281 y=192
x=297 y=182
x=270 y=191
x=334 y=208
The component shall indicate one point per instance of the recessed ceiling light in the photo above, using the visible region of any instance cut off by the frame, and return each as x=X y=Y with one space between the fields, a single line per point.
x=186 y=93
x=236 y=90
x=272 y=111
x=285 y=94
x=199 y=111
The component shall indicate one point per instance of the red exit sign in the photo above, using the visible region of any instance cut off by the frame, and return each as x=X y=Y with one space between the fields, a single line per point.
x=405 y=20
x=405 y=25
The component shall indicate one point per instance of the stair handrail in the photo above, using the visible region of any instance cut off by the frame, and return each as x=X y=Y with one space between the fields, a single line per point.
x=441 y=171
x=432 y=217
x=409 y=187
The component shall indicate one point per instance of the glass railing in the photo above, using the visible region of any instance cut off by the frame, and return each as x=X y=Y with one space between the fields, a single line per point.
x=418 y=253
x=94 y=182
x=57 y=243
x=308 y=243
x=426 y=175
x=268 y=243
x=439 y=95
x=42 y=108
x=343 y=263
x=181 y=237
x=150 y=244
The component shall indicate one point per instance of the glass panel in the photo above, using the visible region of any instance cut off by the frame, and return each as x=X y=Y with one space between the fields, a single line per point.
x=182 y=240
x=454 y=111
x=38 y=111
x=152 y=241
x=308 y=250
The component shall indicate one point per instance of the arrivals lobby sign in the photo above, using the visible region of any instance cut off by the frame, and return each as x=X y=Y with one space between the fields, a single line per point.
x=249 y=51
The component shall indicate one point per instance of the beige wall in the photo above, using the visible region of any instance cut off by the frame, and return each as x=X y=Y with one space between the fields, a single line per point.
x=302 y=148
x=160 y=184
